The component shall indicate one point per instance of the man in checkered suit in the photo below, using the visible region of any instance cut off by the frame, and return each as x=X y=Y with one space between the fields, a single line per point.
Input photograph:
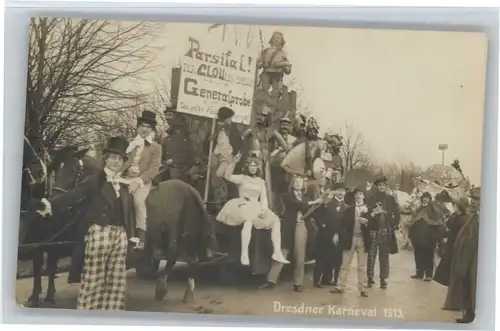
x=99 y=262
x=383 y=218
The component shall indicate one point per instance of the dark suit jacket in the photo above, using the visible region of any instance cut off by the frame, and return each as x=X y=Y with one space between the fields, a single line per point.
x=95 y=199
x=234 y=139
x=328 y=217
x=346 y=230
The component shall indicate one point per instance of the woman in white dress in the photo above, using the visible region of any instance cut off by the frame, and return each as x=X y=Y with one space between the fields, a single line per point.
x=251 y=208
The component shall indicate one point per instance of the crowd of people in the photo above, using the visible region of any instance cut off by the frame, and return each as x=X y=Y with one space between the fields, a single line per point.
x=349 y=222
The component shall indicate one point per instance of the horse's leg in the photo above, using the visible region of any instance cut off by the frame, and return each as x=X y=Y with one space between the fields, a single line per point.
x=161 y=283
x=192 y=273
x=51 y=269
x=34 y=299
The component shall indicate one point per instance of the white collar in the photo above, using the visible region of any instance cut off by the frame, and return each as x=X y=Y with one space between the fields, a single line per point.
x=111 y=173
x=149 y=138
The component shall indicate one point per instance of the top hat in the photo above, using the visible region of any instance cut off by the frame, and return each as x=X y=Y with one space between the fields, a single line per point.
x=382 y=179
x=148 y=117
x=359 y=189
x=224 y=113
x=117 y=145
x=339 y=186
x=426 y=195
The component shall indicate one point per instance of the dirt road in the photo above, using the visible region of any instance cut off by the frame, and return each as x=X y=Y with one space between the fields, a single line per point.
x=404 y=299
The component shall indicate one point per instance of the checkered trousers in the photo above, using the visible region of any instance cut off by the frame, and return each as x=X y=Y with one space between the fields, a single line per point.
x=379 y=244
x=104 y=272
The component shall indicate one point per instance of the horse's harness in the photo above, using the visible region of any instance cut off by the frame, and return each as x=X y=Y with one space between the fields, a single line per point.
x=68 y=225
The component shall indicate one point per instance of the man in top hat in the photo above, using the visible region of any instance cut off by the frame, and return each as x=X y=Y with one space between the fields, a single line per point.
x=99 y=261
x=465 y=254
x=384 y=216
x=177 y=148
x=143 y=164
x=354 y=238
x=226 y=144
x=328 y=252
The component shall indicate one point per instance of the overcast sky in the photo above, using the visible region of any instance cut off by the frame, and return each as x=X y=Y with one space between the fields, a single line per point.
x=405 y=91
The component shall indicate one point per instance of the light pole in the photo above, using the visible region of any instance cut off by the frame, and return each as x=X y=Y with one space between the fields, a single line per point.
x=442 y=148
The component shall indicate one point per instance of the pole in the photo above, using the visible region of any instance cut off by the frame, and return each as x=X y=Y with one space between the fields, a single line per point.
x=209 y=166
x=442 y=157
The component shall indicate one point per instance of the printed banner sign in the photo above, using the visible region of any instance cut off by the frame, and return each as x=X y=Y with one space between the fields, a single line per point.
x=215 y=75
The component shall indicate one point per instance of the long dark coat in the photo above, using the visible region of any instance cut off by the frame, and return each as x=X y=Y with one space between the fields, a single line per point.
x=95 y=198
x=328 y=219
x=346 y=230
x=443 y=271
x=393 y=216
x=464 y=262
x=289 y=221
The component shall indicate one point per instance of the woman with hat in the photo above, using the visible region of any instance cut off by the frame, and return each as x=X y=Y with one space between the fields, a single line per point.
x=424 y=233
x=294 y=230
x=251 y=208
x=144 y=159
x=354 y=237
x=106 y=224
x=443 y=271
x=465 y=254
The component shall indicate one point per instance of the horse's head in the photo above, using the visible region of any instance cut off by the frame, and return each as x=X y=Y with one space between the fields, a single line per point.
x=35 y=159
x=68 y=167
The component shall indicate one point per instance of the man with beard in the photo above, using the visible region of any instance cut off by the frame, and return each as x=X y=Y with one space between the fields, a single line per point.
x=383 y=219
x=177 y=151
x=464 y=263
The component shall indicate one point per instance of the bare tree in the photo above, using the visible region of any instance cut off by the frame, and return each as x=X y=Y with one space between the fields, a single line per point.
x=354 y=152
x=76 y=71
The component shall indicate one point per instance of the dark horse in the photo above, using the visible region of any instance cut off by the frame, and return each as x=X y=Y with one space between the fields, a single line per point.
x=178 y=224
x=52 y=234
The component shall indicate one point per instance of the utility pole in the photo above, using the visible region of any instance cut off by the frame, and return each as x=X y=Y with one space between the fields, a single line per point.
x=442 y=148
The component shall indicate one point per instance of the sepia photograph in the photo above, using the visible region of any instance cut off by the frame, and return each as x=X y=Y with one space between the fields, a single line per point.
x=252 y=170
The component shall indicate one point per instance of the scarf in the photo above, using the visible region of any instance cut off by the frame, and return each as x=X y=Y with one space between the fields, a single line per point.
x=139 y=142
x=433 y=213
x=115 y=179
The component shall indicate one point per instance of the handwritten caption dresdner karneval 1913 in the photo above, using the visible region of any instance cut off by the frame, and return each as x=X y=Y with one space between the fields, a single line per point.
x=215 y=74
x=334 y=310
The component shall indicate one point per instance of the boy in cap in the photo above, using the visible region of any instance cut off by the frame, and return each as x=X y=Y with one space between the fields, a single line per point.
x=383 y=218
x=106 y=224
x=328 y=253
x=144 y=159
x=354 y=238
